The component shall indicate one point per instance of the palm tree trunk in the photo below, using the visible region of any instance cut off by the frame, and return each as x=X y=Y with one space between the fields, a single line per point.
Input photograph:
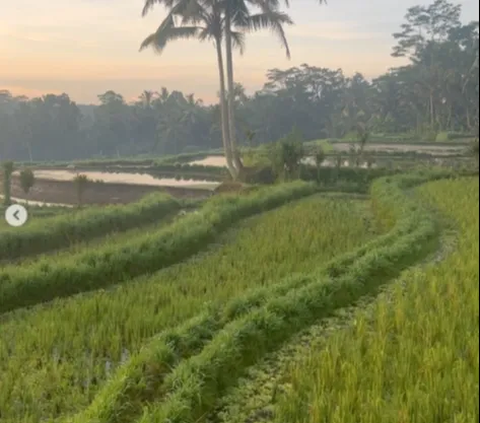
x=29 y=149
x=224 y=112
x=231 y=91
x=432 y=111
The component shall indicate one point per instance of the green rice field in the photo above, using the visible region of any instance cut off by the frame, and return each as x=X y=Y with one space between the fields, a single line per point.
x=164 y=310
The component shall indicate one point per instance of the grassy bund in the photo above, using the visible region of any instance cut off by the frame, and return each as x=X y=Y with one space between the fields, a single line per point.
x=150 y=331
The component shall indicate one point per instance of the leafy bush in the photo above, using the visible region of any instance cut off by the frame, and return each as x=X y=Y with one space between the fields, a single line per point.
x=27 y=180
x=286 y=154
x=263 y=175
x=430 y=135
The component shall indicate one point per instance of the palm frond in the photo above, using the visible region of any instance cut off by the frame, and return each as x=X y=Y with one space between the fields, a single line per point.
x=274 y=21
x=190 y=11
x=238 y=41
x=148 y=5
x=239 y=12
x=168 y=32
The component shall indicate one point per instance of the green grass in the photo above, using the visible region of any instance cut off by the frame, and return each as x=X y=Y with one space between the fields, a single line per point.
x=415 y=357
x=324 y=144
x=192 y=389
x=68 y=228
x=70 y=274
x=52 y=359
x=35 y=213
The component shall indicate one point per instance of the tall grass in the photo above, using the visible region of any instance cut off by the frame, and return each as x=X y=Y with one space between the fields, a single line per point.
x=415 y=357
x=41 y=236
x=193 y=387
x=50 y=277
x=53 y=359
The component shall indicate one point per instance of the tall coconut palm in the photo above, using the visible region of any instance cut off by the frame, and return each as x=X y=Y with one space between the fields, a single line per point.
x=215 y=16
x=237 y=14
x=189 y=19
x=146 y=98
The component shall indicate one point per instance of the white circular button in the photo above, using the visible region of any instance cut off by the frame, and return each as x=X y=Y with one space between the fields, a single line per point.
x=16 y=215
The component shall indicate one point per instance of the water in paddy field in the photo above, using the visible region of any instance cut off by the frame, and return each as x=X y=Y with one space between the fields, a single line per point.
x=332 y=163
x=124 y=178
x=218 y=161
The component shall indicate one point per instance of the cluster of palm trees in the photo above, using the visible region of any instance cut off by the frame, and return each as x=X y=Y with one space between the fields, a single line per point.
x=225 y=22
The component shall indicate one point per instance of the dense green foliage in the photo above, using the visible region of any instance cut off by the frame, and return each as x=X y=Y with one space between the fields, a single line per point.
x=74 y=337
x=419 y=344
x=41 y=236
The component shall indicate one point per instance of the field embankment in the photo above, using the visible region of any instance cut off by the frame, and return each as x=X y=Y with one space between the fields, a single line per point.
x=53 y=233
x=193 y=388
x=65 y=192
x=169 y=346
x=419 y=344
x=59 y=356
x=70 y=274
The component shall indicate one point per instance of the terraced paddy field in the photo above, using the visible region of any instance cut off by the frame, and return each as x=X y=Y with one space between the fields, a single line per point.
x=394 y=357
x=52 y=228
x=413 y=355
x=85 y=337
x=172 y=324
x=38 y=212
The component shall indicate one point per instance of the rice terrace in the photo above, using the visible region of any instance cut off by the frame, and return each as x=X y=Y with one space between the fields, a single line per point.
x=308 y=253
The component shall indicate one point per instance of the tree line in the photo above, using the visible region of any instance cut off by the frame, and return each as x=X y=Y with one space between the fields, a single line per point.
x=437 y=92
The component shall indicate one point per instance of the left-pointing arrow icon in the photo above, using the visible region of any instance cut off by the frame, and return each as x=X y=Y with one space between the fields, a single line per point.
x=16 y=215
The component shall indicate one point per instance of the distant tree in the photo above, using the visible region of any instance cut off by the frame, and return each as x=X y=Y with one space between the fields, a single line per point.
x=27 y=180
x=8 y=168
x=81 y=182
x=286 y=155
x=319 y=157
x=435 y=92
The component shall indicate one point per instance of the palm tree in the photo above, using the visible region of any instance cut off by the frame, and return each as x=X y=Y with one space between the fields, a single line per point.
x=217 y=19
x=237 y=14
x=147 y=98
x=206 y=23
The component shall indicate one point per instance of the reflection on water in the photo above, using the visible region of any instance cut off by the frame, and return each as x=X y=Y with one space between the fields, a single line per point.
x=37 y=203
x=330 y=163
x=438 y=150
x=124 y=178
x=218 y=161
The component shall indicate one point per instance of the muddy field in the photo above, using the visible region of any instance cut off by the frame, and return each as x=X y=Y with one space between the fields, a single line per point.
x=64 y=192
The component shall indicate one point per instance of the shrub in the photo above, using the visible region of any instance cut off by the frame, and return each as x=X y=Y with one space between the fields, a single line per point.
x=27 y=180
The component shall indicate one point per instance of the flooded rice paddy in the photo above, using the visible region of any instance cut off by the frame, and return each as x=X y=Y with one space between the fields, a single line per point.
x=124 y=178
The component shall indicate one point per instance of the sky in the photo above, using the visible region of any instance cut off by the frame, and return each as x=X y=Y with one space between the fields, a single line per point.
x=86 y=47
